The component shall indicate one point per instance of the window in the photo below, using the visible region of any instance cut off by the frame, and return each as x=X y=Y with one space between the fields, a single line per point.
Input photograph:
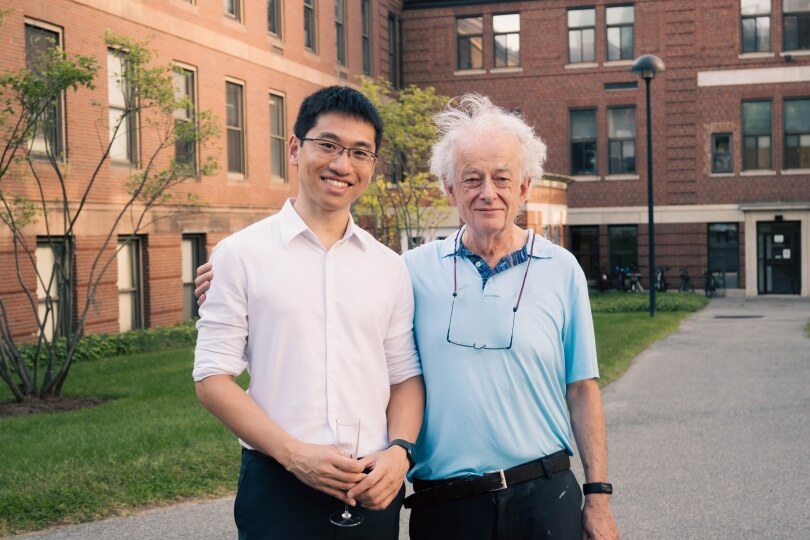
x=583 y=141
x=394 y=68
x=470 y=42
x=620 y=21
x=233 y=9
x=236 y=127
x=585 y=247
x=278 y=138
x=274 y=17
x=721 y=153
x=53 y=277
x=193 y=255
x=310 y=25
x=724 y=252
x=797 y=24
x=365 y=34
x=49 y=135
x=122 y=113
x=506 y=29
x=340 y=33
x=623 y=247
x=622 y=140
x=797 y=133
x=581 y=32
x=756 y=25
x=130 y=283
x=756 y=135
x=185 y=146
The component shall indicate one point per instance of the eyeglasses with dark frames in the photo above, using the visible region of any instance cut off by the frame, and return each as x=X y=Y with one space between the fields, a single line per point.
x=332 y=150
x=482 y=346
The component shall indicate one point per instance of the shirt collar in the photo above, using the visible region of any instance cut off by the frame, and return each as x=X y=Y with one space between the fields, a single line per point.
x=542 y=247
x=292 y=225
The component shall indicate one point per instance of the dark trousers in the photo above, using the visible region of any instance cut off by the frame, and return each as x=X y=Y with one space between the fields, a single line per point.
x=542 y=508
x=271 y=503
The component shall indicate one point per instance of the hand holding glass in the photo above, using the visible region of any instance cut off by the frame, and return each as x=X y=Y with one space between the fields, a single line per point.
x=347 y=431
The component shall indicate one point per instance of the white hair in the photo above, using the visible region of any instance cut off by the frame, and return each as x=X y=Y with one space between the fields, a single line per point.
x=475 y=115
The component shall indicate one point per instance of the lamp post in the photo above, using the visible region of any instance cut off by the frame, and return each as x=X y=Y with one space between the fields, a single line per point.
x=647 y=65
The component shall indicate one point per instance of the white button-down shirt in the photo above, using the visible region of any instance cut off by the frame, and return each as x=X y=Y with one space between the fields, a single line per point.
x=322 y=333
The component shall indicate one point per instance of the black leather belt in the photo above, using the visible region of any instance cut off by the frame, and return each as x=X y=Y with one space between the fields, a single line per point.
x=433 y=491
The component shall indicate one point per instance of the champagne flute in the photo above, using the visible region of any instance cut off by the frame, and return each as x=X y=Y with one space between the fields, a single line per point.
x=347 y=430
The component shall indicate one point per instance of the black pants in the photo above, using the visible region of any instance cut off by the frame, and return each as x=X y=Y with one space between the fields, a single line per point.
x=542 y=508
x=271 y=503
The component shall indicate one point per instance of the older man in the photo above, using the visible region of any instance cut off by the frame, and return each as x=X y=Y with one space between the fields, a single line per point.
x=504 y=329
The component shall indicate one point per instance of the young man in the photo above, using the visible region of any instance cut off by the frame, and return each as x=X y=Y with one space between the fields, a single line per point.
x=320 y=314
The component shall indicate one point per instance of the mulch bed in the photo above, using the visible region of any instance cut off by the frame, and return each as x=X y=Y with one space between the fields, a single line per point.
x=47 y=405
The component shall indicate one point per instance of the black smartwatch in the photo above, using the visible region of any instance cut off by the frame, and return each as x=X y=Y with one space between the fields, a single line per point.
x=408 y=446
x=597 y=487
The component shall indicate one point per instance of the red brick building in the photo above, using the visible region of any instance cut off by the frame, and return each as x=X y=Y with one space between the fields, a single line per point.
x=730 y=116
x=731 y=123
x=251 y=63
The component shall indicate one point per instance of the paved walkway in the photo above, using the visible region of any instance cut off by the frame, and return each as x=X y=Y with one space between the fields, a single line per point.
x=709 y=433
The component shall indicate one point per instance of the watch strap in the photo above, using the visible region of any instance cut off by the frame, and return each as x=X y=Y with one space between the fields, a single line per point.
x=407 y=445
x=597 y=487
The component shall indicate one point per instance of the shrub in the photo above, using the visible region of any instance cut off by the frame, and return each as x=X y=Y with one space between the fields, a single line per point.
x=620 y=302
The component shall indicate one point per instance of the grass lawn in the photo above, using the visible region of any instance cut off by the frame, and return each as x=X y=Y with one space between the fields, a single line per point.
x=152 y=443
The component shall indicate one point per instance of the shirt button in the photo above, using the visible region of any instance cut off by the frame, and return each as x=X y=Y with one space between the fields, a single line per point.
x=478 y=264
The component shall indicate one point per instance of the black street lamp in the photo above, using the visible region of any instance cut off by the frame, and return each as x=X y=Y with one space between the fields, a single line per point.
x=647 y=66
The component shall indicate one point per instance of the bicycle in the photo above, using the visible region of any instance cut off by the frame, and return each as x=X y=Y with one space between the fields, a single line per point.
x=660 y=279
x=686 y=282
x=635 y=283
x=710 y=284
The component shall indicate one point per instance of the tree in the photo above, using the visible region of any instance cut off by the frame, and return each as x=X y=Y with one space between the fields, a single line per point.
x=406 y=199
x=38 y=185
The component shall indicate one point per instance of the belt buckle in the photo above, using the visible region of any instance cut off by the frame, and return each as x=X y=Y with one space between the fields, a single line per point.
x=503 y=484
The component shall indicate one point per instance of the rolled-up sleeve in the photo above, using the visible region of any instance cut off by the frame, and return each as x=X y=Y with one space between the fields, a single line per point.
x=223 y=326
x=400 y=347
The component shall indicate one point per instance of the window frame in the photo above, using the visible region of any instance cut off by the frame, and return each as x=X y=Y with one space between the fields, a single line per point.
x=579 y=30
x=729 y=155
x=134 y=246
x=394 y=51
x=275 y=18
x=757 y=135
x=799 y=135
x=756 y=17
x=128 y=110
x=240 y=129
x=59 y=250
x=469 y=39
x=623 y=141
x=186 y=115
x=365 y=35
x=629 y=258
x=581 y=141
x=192 y=254
x=236 y=13
x=802 y=22
x=340 y=32
x=590 y=232
x=278 y=142
x=57 y=127
x=310 y=35
x=496 y=35
x=621 y=26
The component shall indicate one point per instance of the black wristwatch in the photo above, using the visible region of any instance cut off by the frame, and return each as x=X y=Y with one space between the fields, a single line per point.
x=408 y=446
x=597 y=487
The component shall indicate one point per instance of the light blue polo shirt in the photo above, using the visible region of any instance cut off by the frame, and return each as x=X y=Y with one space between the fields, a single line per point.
x=494 y=409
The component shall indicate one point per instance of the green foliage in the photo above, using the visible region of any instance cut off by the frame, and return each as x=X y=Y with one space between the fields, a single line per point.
x=406 y=198
x=621 y=302
x=98 y=346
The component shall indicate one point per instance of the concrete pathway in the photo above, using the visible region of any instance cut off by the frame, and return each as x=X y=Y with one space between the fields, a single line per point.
x=709 y=435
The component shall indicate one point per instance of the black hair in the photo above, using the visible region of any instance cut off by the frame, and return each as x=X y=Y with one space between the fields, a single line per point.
x=340 y=100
